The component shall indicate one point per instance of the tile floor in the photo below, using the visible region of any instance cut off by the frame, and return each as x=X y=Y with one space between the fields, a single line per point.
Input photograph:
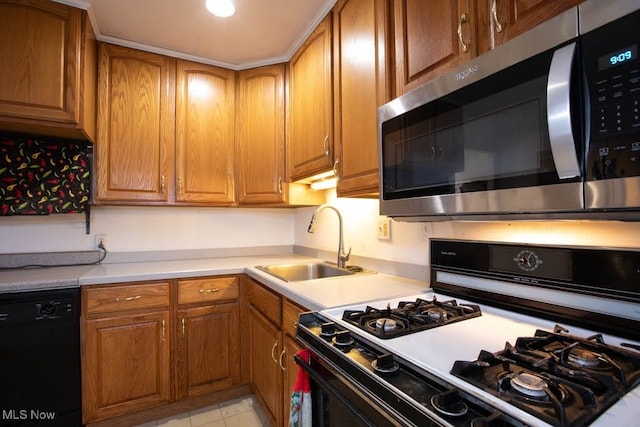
x=241 y=412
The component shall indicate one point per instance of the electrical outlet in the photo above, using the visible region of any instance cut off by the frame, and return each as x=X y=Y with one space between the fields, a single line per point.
x=101 y=238
x=384 y=228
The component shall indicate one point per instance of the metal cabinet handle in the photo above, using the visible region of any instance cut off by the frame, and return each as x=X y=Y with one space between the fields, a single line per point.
x=463 y=20
x=180 y=185
x=275 y=344
x=162 y=184
x=118 y=299
x=280 y=185
x=325 y=144
x=335 y=167
x=282 y=367
x=208 y=291
x=184 y=327
x=494 y=13
x=164 y=327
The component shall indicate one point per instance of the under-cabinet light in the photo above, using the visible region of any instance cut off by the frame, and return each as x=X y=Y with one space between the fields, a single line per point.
x=324 y=184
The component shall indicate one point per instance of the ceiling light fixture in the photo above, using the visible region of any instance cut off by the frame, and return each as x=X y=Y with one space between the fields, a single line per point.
x=221 y=8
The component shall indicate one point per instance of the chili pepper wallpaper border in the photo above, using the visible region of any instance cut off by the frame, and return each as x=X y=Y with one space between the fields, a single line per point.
x=43 y=176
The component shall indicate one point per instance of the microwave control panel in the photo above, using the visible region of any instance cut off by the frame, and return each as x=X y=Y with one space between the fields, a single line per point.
x=612 y=69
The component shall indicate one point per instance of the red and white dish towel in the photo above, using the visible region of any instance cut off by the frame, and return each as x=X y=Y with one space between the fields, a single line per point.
x=300 y=412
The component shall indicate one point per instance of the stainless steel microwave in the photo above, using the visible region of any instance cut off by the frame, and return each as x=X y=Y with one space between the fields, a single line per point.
x=545 y=126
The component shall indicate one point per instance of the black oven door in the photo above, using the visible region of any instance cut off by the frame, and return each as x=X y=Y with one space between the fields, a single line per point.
x=336 y=403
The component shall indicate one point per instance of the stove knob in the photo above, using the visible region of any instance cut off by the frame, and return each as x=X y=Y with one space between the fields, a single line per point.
x=449 y=403
x=343 y=339
x=384 y=364
x=385 y=361
x=328 y=329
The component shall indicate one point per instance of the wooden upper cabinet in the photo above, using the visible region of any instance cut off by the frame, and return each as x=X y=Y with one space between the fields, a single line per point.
x=503 y=20
x=433 y=37
x=430 y=38
x=205 y=104
x=135 y=126
x=360 y=87
x=310 y=106
x=260 y=135
x=47 y=69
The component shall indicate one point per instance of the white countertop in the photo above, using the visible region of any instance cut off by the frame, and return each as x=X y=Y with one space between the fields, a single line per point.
x=312 y=294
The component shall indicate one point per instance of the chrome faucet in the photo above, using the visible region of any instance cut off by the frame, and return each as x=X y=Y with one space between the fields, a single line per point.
x=342 y=257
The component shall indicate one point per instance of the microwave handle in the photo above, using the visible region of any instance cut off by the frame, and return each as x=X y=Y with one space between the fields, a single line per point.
x=563 y=146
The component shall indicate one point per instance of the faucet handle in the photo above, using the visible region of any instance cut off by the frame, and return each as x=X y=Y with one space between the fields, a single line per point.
x=343 y=258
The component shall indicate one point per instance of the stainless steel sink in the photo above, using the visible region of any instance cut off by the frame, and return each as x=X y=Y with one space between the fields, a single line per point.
x=306 y=271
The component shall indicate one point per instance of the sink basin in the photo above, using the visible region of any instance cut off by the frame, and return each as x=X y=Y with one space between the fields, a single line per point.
x=305 y=271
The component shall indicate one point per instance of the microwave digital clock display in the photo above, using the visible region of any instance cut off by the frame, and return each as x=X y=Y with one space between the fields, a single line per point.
x=618 y=57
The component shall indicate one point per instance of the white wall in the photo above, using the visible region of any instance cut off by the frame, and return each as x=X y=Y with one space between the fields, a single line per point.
x=140 y=229
x=409 y=241
x=132 y=229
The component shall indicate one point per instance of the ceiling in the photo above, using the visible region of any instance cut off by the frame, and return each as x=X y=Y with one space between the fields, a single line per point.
x=261 y=32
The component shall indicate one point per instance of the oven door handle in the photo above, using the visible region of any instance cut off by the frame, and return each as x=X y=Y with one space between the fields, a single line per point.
x=563 y=146
x=315 y=376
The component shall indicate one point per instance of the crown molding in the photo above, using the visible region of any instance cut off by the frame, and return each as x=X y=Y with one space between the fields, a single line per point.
x=86 y=5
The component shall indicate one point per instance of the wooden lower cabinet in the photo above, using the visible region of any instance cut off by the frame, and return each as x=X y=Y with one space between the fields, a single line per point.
x=126 y=363
x=208 y=345
x=266 y=376
x=272 y=322
x=149 y=344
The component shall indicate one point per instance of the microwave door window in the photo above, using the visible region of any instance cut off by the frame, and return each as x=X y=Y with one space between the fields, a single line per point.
x=469 y=142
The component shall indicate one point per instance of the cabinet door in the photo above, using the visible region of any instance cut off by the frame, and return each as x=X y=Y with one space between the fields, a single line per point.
x=48 y=69
x=266 y=376
x=205 y=105
x=507 y=19
x=360 y=86
x=125 y=364
x=431 y=38
x=40 y=43
x=208 y=348
x=134 y=156
x=260 y=135
x=310 y=122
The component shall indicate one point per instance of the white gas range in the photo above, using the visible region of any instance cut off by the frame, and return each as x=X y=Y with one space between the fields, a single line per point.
x=506 y=338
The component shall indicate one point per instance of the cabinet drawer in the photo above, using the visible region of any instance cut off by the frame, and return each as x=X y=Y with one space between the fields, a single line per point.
x=126 y=297
x=207 y=289
x=290 y=312
x=265 y=302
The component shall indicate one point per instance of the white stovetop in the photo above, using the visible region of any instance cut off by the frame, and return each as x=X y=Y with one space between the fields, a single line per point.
x=437 y=349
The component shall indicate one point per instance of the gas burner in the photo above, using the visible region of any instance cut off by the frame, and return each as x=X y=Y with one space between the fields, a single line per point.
x=409 y=316
x=437 y=314
x=529 y=385
x=386 y=324
x=561 y=378
x=584 y=358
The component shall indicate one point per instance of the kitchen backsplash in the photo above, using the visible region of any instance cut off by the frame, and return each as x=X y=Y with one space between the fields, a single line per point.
x=146 y=229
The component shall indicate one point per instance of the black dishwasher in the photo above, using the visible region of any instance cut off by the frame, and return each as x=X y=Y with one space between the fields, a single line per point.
x=40 y=359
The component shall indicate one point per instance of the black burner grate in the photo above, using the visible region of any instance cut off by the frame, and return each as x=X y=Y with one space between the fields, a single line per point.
x=410 y=316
